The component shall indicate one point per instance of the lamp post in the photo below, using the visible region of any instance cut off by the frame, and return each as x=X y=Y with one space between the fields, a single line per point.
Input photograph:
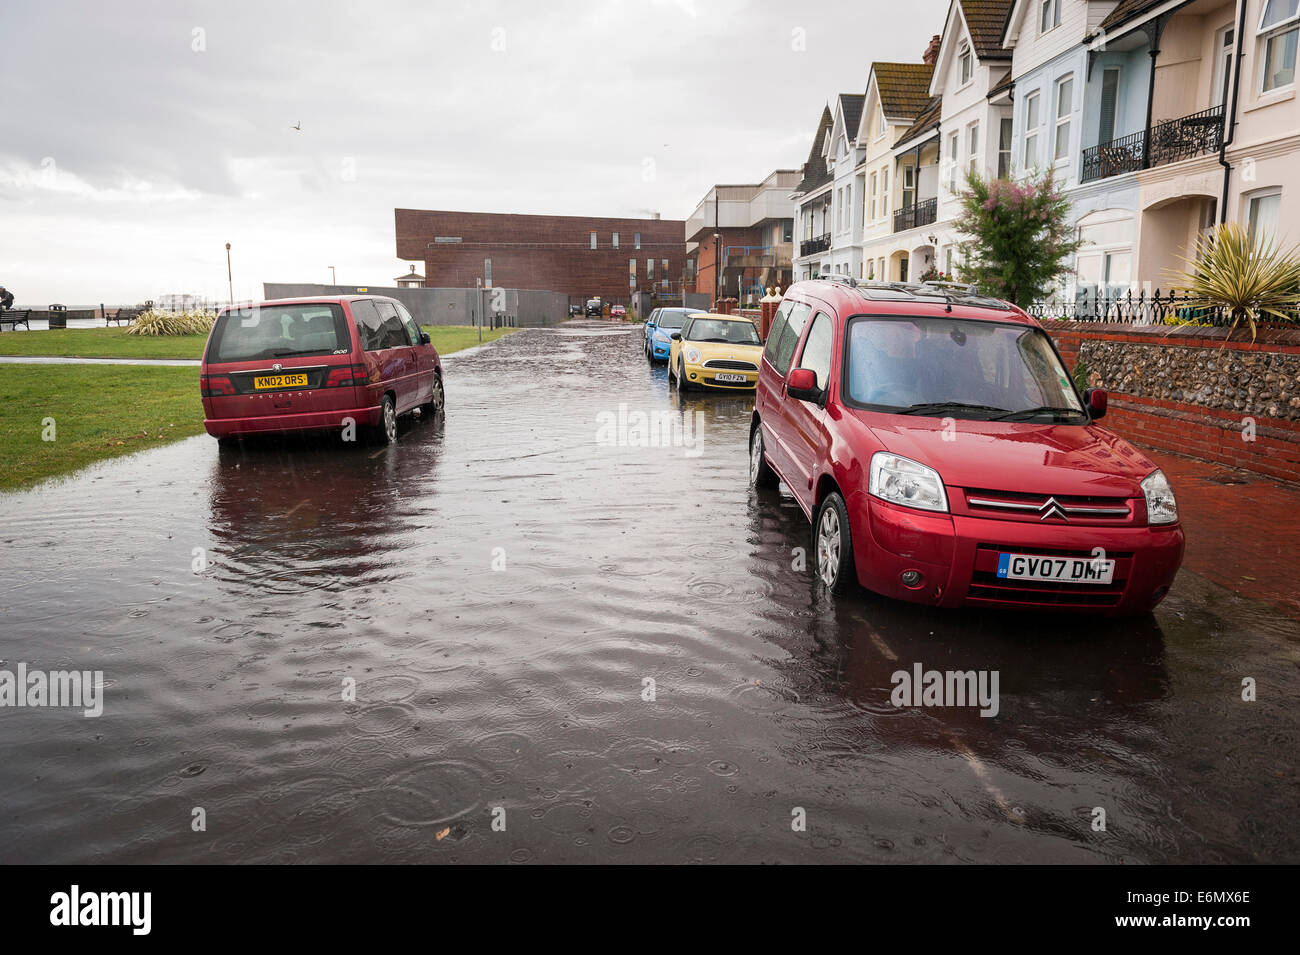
x=333 y=278
x=230 y=282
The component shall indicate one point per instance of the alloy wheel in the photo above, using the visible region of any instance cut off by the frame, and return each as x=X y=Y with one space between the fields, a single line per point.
x=828 y=546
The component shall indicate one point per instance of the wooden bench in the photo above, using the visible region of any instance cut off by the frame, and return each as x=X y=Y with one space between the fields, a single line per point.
x=15 y=317
x=127 y=315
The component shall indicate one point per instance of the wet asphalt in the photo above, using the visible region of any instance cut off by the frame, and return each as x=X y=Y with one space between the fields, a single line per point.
x=570 y=645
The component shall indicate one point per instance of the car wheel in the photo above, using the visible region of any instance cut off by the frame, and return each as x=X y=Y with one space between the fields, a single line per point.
x=437 y=401
x=681 y=378
x=761 y=474
x=386 y=431
x=834 y=545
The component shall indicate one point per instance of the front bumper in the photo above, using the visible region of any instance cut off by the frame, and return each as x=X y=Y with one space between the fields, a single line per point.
x=703 y=377
x=957 y=556
x=281 y=423
x=659 y=350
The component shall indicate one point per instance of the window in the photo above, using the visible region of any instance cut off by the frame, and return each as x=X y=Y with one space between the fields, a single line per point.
x=1223 y=63
x=650 y=269
x=952 y=162
x=1109 y=98
x=1118 y=268
x=1004 y=147
x=390 y=333
x=615 y=240
x=631 y=270
x=1262 y=215
x=593 y=240
x=973 y=141
x=487 y=273
x=909 y=189
x=787 y=231
x=275 y=331
x=780 y=347
x=663 y=267
x=817 y=349
x=412 y=330
x=884 y=192
x=1031 y=130
x=964 y=63
x=871 y=202
x=1049 y=15
x=636 y=239
x=1064 y=103
x=1279 y=27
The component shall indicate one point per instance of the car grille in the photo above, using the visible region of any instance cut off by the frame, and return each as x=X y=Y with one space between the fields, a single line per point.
x=730 y=364
x=1048 y=508
x=988 y=588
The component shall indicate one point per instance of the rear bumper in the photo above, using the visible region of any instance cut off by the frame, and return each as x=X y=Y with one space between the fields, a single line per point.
x=957 y=559
x=305 y=421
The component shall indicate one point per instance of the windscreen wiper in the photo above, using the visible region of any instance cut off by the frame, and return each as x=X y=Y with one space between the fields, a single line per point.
x=1045 y=409
x=934 y=406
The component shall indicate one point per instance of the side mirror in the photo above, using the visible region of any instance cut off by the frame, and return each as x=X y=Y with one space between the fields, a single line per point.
x=1096 y=398
x=677 y=336
x=802 y=384
x=424 y=338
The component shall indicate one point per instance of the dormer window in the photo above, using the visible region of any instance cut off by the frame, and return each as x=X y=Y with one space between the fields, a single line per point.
x=1049 y=15
x=964 y=63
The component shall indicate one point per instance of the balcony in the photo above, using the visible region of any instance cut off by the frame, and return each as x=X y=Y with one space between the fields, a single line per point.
x=1167 y=142
x=813 y=246
x=922 y=213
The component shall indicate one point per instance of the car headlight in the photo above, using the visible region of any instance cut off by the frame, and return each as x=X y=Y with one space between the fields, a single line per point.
x=692 y=355
x=1161 y=506
x=903 y=481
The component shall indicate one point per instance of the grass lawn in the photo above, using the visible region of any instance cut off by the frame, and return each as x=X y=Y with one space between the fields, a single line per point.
x=98 y=411
x=102 y=411
x=116 y=343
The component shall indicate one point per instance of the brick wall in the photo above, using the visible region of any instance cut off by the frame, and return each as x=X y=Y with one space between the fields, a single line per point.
x=541 y=252
x=705 y=275
x=1239 y=436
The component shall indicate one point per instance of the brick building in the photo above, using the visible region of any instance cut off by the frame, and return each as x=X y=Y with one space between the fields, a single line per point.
x=578 y=255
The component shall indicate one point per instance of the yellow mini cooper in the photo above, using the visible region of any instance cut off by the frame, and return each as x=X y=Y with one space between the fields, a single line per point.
x=716 y=351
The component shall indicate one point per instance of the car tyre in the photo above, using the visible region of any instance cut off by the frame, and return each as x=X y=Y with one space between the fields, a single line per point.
x=833 y=545
x=761 y=475
x=437 y=401
x=681 y=378
x=386 y=431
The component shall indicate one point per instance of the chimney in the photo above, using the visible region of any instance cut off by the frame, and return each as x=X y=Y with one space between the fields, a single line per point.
x=931 y=52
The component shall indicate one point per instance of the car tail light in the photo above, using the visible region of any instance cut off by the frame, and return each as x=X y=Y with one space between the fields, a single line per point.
x=345 y=375
x=213 y=385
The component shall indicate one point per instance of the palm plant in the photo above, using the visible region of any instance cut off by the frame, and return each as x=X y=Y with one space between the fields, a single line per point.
x=1245 y=278
x=159 y=322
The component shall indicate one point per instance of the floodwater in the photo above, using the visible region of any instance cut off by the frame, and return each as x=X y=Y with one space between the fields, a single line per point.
x=606 y=649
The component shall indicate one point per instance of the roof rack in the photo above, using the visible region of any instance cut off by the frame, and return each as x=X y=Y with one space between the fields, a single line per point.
x=848 y=280
x=951 y=293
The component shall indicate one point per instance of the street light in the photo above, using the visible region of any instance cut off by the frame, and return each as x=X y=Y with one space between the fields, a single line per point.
x=230 y=282
x=333 y=278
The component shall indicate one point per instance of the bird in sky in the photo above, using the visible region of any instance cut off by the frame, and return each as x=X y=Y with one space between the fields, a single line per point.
x=298 y=127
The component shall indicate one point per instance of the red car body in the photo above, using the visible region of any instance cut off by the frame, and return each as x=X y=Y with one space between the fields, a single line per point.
x=352 y=356
x=1049 y=489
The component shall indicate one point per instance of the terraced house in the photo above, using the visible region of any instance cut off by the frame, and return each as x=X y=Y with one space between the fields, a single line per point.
x=1160 y=118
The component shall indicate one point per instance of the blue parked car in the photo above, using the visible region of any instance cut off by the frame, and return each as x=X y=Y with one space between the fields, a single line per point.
x=659 y=328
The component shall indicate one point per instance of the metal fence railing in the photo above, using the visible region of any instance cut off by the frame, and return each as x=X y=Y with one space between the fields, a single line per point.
x=1137 y=307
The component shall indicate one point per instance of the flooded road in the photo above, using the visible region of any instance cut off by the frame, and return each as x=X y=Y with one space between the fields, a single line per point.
x=607 y=648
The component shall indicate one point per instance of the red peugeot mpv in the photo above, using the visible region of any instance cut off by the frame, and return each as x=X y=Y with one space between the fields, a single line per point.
x=319 y=364
x=937 y=444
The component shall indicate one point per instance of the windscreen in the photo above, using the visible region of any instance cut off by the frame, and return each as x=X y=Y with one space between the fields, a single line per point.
x=729 y=333
x=905 y=364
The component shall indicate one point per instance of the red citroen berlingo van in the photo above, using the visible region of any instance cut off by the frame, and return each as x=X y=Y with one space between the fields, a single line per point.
x=943 y=455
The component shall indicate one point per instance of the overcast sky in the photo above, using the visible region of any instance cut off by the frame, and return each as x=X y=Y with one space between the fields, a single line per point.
x=137 y=138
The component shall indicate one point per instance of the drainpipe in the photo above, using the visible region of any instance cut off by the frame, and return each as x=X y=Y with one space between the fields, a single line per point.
x=1226 y=139
x=1151 y=95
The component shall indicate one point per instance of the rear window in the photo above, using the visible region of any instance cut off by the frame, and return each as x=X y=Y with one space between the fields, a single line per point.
x=279 y=331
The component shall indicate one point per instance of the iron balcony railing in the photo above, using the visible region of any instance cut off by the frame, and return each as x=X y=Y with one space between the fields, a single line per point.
x=812 y=246
x=1167 y=142
x=915 y=216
